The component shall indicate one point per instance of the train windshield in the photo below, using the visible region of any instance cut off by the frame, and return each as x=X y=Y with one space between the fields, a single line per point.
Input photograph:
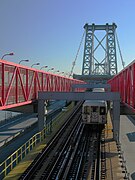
x=94 y=108
x=102 y=111
x=86 y=109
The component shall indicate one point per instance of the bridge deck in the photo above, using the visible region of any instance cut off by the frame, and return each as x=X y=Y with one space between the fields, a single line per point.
x=113 y=166
x=113 y=172
x=127 y=138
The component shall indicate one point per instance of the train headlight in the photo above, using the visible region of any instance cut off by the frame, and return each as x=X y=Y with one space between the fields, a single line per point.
x=102 y=111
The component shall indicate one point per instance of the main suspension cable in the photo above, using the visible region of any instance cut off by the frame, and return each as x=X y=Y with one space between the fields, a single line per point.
x=123 y=63
x=74 y=62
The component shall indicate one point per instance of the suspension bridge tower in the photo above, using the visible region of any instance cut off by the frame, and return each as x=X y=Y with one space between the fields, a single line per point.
x=99 y=59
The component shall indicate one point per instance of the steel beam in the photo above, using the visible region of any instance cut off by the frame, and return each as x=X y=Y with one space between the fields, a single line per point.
x=20 y=84
x=100 y=27
x=41 y=112
x=106 y=86
x=93 y=77
x=81 y=96
x=124 y=82
x=96 y=66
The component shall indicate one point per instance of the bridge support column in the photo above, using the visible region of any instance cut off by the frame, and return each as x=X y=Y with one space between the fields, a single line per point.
x=41 y=112
x=116 y=120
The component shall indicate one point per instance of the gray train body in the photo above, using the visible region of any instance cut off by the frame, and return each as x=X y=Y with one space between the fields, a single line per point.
x=94 y=111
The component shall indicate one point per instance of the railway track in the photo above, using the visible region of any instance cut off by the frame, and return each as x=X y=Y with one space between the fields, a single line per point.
x=84 y=163
x=74 y=153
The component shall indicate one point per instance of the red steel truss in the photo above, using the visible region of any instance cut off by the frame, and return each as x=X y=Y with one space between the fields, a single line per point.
x=19 y=85
x=124 y=82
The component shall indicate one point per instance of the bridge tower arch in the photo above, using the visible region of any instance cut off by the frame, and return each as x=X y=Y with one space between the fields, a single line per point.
x=107 y=65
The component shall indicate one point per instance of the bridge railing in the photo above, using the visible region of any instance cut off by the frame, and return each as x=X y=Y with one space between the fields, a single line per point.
x=15 y=158
x=124 y=82
x=19 y=85
x=19 y=154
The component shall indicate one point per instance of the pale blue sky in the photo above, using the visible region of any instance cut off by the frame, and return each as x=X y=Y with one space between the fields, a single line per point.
x=49 y=31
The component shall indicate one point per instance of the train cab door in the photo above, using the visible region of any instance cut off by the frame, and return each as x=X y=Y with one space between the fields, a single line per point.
x=103 y=114
x=87 y=113
x=95 y=114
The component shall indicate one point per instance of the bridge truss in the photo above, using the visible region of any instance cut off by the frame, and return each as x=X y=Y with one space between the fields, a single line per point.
x=124 y=82
x=19 y=85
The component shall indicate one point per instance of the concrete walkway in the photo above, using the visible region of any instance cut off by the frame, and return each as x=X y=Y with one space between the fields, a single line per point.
x=127 y=139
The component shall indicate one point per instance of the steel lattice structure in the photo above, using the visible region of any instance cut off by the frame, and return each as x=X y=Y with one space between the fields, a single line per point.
x=92 y=65
x=19 y=85
x=124 y=82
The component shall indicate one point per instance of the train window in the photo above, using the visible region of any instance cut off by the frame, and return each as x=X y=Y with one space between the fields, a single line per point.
x=86 y=110
x=102 y=110
x=95 y=108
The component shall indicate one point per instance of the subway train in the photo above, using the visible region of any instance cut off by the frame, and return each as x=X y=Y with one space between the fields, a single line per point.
x=94 y=111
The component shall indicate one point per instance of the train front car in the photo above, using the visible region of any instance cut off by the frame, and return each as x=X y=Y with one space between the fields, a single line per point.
x=94 y=111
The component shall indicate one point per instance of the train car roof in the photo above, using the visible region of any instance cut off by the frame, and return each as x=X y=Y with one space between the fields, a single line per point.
x=98 y=90
x=94 y=103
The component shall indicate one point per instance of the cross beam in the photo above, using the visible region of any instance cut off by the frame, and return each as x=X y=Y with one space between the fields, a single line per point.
x=81 y=96
x=106 y=86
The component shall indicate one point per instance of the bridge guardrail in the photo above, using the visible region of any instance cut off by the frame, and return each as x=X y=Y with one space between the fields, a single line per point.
x=18 y=155
x=14 y=94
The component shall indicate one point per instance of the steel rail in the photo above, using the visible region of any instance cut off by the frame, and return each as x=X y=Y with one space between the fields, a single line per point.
x=37 y=163
x=76 y=139
x=88 y=161
x=58 y=159
x=67 y=148
x=73 y=154
x=76 y=155
x=102 y=167
x=83 y=162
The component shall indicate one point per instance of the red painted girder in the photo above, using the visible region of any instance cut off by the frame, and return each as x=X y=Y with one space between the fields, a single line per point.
x=19 y=85
x=124 y=82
